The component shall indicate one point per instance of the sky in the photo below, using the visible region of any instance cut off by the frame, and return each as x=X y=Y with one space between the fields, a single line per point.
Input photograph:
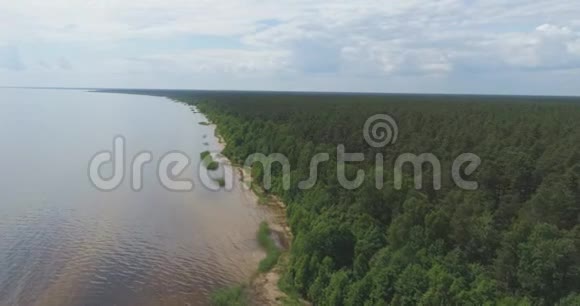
x=445 y=46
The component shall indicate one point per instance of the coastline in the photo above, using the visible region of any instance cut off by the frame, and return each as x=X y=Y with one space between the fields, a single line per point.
x=263 y=286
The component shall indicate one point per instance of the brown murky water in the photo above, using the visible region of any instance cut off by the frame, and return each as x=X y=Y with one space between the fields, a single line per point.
x=62 y=242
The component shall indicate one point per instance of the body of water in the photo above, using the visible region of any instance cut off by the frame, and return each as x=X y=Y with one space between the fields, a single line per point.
x=63 y=242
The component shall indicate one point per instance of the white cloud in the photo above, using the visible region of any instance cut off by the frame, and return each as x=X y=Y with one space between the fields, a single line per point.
x=552 y=30
x=335 y=40
x=546 y=47
x=217 y=62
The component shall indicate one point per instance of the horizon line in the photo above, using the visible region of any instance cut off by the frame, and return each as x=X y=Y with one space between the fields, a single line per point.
x=317 y=92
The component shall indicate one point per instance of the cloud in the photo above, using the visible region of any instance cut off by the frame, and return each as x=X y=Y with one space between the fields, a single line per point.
x=432 y=39
x=349 y=44
x=10 y=58
x=546 y=47
x=216 y=62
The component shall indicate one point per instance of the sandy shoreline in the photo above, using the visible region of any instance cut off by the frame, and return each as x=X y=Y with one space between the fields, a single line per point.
x=264 y=286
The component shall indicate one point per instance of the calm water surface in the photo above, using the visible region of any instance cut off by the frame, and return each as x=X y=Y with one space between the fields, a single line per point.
x=62 y=242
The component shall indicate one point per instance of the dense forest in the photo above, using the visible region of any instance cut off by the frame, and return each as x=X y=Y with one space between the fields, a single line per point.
x=513 y=241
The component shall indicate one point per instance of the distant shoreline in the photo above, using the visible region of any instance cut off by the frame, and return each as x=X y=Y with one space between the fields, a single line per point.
x=170 y=91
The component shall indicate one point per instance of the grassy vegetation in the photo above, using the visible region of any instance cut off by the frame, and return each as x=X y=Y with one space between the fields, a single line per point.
x=220 y=181
x=204 y=154
x=213 y=165
x=238 y=295
x=260 y=193
x=292 y=297
x=231 y=296
x=208 y=161
x=210 y=164
x=272 y=251
x=204 y=123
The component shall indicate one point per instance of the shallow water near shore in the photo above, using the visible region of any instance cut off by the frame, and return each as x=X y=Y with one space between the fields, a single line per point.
x=63 y=242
